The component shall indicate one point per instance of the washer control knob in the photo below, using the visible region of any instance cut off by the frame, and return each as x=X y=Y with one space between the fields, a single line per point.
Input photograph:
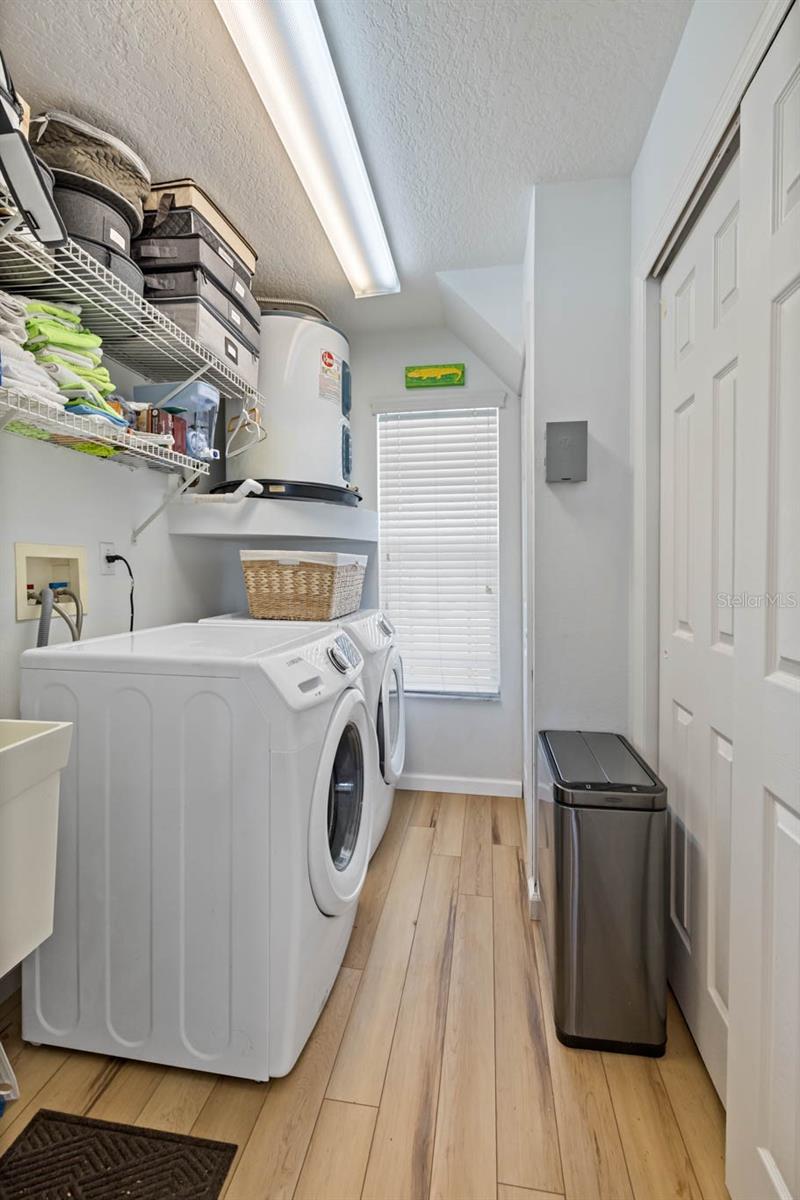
x=338 y=659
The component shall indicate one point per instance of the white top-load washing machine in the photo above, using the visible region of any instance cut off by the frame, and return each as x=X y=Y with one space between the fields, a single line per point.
x=214 y=834
x=382 y=682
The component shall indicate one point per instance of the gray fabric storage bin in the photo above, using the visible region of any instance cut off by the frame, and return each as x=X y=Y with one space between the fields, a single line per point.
x=87 y=216
x=168 y=285
x=118 y=264
x=180 y=222
x=171 y=254
x=196 y=318
x=74 y=147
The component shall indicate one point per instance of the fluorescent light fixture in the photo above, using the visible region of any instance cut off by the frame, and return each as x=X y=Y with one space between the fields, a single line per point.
x=282 y=44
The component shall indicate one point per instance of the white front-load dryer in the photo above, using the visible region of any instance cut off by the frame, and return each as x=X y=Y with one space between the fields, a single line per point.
x=215 y=828
x=382 y=681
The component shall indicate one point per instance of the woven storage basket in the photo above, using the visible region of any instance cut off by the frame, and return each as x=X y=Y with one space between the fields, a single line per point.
x=299 y=586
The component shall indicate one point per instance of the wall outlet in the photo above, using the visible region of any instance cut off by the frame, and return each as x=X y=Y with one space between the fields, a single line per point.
x=107 y=568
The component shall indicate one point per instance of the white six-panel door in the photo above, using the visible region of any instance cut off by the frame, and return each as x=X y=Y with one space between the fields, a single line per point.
x=699 y=624
x=763 y=1142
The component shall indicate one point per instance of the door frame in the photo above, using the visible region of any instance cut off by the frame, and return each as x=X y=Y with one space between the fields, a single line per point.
x=646 y=397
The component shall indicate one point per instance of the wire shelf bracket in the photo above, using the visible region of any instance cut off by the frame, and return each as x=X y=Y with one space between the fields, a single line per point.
x=182 y=487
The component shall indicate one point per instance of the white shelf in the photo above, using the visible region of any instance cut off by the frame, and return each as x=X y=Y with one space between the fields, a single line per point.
x=192 y=516
x=32 y=418
x=134 y=332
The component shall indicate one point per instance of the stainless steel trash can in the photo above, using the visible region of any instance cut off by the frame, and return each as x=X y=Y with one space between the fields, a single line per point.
x=603 y=880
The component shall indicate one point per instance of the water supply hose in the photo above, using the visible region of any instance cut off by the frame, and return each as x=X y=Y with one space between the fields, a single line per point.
x=49 y=605
x=46 y=600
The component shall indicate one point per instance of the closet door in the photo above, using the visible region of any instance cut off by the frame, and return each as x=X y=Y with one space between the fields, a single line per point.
x=763 y=1155
x=699 y=498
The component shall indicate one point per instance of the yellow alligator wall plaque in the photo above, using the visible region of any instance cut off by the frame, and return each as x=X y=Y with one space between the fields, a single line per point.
x=439 y=375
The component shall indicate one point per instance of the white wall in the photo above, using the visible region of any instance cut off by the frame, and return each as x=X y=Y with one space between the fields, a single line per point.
x=713 y=41
x=457 y=740
x=49 y=494
x=483 y=307
x=578 y=370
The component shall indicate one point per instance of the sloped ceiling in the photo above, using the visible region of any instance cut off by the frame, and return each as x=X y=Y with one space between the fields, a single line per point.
x=459 y=105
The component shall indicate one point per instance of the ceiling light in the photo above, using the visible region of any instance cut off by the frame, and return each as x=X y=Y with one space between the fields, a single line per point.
x=282 y=44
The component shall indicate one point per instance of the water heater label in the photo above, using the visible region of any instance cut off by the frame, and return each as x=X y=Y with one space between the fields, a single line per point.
x=330 y=377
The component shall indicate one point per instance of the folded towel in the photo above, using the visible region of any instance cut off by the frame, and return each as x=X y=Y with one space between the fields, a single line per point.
x=13 y=329
x=82 y=408
x=12 y=307
x=70 y=313
x=11 y=349
x=67 y=324
x=29 y=392
x=25 y=373
x=71 y=384
x=44 y=332
x=99 y=378
x=76 y=358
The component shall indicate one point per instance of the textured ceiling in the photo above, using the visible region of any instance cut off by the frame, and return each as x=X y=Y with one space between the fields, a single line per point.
x=459 y=105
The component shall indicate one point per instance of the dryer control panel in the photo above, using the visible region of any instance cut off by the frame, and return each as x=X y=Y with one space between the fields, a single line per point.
x=310 y=672
x=344 y=654
x=372 y=632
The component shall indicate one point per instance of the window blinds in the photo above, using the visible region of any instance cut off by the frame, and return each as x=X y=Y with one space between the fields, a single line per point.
x=439 y=506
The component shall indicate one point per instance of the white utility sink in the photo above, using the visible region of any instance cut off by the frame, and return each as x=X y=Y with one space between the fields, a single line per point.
x=32 y=755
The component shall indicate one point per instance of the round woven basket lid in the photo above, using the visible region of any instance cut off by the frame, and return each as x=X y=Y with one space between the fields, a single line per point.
x=85 y=183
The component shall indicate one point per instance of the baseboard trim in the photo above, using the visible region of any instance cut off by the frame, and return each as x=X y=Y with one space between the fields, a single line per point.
x=455 y=783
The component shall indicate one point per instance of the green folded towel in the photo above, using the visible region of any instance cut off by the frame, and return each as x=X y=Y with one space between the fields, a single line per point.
x=53 y=310
x=41 y=332
x=86 y=358
x=86 y=395
x=97 y=376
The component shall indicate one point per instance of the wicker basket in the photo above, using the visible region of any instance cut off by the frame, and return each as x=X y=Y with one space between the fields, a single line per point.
x=286 y=585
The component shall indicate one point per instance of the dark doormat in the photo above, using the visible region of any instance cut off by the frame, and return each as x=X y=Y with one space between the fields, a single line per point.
x=60 y=1157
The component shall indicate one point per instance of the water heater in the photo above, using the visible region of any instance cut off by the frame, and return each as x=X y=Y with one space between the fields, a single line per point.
x=304 y=377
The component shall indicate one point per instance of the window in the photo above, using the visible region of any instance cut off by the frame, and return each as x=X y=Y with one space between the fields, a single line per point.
x=438 y=505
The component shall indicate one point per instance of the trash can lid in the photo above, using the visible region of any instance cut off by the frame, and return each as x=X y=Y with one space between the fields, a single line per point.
x=605 y=761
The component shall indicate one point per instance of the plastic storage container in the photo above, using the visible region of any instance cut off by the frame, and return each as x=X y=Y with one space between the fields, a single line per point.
x=197 y=402
x=602 y=823
x=200 y=321
x=297 y=585
x=32 y=755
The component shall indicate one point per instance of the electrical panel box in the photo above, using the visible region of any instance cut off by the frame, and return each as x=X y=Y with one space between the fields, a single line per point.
x=566 y=451
x=40 y=565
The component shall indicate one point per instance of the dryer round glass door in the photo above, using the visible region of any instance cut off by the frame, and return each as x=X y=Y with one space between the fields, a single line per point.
x=340 y=827
x=345 y=798
x=391 y=719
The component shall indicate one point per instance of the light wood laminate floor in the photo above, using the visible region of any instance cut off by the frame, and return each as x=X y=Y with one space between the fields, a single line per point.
x=434 y=1070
